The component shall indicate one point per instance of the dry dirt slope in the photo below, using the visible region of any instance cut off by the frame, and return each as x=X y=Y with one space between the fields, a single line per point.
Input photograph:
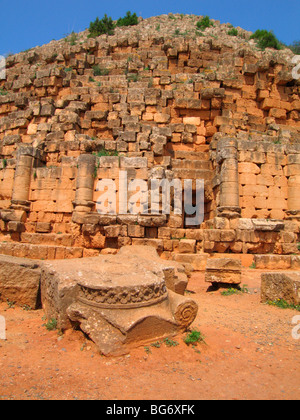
x=249 y=354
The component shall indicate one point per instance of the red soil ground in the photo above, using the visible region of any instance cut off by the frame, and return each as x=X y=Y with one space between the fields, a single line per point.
x=249 y=354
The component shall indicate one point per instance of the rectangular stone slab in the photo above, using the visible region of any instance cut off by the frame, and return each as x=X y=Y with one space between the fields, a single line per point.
x=223 y=270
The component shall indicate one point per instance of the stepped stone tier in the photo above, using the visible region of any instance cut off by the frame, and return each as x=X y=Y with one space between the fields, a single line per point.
x=157 y=101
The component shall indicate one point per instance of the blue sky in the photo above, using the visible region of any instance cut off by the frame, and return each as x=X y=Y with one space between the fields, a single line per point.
x=26 y=24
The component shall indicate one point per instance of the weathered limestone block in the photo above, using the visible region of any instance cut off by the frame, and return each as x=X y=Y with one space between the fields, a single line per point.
x=223 y=271
x=9 y=215
x=118 y=300
x=43 y=227
x=19 y=281
x=272 y=262
x=284 y=285
x=58 y=291
x=151 y=220
x=267 y=225
x=196 y=261
x=187 y=246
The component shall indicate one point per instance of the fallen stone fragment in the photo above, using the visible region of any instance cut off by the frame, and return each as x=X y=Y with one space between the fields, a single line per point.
x=118 y=300
x=284 y=285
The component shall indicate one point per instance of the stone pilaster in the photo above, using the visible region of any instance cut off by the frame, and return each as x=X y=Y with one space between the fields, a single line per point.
x=85 y=183
x=22 y=180
x=227 y=158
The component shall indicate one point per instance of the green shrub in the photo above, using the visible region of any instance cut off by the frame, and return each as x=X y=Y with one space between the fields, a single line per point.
x=128 y=20
x=232 y=32
x=204 y=23
x=3 y=92
x=100 y=27
x=266 y=39
x=295 y=47
x=194 y=337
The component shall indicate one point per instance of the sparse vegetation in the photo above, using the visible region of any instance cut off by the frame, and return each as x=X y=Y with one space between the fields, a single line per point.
x=133 y=78
x=157 y=344
x=295 y=47
x=11 y=304
x=281 y=303
x=72 y=38
x=147 y=350
x=266 y=39
x=3 y=92
x=98 y=71
x=233 y=32
x=235 y=290
x=170 y=343
x=104 y=152
x=51 y=324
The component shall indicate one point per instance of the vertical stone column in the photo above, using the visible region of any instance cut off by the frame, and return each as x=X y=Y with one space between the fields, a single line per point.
x=85 y=183
x=293 y=172
x=21 y=187
x=227 y=158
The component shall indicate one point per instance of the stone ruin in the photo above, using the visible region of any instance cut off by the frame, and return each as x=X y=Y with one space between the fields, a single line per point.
x=157 y=104
x=118 y=301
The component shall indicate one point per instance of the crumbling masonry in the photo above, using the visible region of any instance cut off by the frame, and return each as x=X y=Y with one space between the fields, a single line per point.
x=177 y=107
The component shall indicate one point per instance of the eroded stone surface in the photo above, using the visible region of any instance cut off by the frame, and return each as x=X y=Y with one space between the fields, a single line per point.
x=284 y=285
x=19 y=281
x=118 y=300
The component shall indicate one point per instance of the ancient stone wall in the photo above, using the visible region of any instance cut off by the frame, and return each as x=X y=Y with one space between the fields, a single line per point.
x=158 y=104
